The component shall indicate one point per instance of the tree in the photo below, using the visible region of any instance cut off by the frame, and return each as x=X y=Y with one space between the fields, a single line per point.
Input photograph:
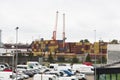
x=50 y=58
x=20 y=54
x=81 y=41
x=61 y=58
x=84 y=41
x=104 y=60
x=75 y=60
x=88 y=58
x=30 y=54
x=114 y=41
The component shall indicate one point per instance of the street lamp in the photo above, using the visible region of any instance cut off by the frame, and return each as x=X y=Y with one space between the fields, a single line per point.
x=101 y=46
x=95 y=56
x=12 y=62
x=16 y=49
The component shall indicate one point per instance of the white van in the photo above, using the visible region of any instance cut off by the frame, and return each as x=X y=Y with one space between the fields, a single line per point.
x=60 y=67
x=33 y=65
x=44 y=77
x=83 y=68
x=22 y=67
x=53 y=66
x=7 y=75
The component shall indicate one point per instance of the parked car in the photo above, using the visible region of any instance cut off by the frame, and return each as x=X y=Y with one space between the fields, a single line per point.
x=21 y=67
x=29 y=73
x=44 y=77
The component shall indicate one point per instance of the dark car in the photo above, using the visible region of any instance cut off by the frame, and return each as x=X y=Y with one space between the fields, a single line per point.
x=29 y=73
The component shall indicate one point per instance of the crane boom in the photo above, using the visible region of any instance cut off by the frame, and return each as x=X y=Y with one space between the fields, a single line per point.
x=55 y=28
x=64 y=30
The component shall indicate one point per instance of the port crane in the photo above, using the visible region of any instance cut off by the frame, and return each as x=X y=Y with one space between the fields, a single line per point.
x=64 y=30
x=55 y=28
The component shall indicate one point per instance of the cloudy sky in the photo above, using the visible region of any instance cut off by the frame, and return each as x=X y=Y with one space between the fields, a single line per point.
x=36 y=19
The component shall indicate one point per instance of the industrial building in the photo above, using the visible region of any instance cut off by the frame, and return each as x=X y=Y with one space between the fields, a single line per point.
x=113 y=53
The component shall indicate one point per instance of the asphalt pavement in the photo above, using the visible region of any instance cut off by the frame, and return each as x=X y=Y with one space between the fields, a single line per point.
x=88 y=77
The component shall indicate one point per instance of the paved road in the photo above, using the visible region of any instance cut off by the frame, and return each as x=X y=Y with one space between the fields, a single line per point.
x=29 y=79
x=88 y=77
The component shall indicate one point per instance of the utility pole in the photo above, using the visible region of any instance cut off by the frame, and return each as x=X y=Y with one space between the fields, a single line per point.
x=101 y=44
x=16 y=50
x=13 y=54
x=95 y=56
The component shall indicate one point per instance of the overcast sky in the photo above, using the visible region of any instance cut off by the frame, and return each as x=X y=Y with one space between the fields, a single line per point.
x=36 y=19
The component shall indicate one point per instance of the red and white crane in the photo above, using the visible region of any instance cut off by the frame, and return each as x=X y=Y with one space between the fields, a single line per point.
x=64 y=30
x=55 y=28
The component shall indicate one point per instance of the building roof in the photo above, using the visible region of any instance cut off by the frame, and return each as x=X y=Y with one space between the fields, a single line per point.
x=19 y=46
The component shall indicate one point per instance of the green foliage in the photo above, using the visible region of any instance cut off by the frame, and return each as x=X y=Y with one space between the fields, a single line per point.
x=88 y=58
x=114 y=41
x=20 y=54
x=104 y=60
x=84 y=41
x=75 y=60
x=50 y=58
x=81 y=41
x=30 y=54
x=39 y=55
x=61 y=59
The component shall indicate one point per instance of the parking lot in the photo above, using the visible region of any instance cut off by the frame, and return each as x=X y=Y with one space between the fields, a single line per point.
x=88 y=77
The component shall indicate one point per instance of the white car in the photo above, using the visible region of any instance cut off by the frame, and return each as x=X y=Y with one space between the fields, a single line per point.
x=2 y=67
x=81 y=76
x=68 y=78
x=21 y=68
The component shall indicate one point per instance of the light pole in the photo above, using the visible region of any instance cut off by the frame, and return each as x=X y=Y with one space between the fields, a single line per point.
x=13 y=62
x=101 y=44
x=95 y=56
x=16 y=50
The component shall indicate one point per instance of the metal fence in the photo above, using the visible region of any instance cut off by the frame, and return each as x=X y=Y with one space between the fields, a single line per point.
x=108 y=73
x=21 y=59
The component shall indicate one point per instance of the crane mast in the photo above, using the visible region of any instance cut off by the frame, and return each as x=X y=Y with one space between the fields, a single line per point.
x=64 y=30
x=55 y=28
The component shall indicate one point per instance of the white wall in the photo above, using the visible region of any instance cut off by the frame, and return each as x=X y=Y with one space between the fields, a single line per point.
x=113 y=47
x=2 y=50
x=113 y=53
x=10 y=50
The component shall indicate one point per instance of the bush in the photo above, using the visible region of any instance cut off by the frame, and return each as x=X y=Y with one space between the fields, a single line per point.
x=75 y=60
